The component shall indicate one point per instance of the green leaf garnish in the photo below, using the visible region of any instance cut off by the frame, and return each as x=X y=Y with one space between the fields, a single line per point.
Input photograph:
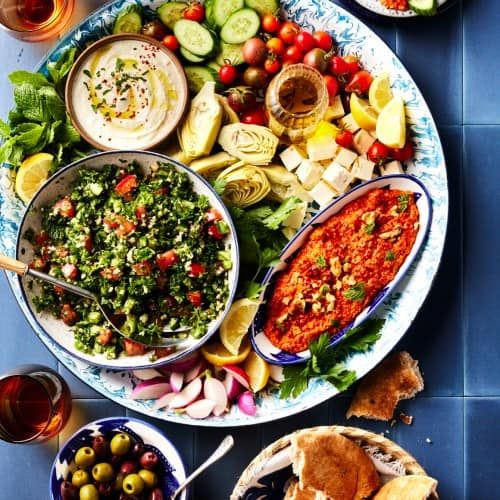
x=356 y=292
x=403 y=201
x=321 y=261
x=390 y=255
x=369 y=228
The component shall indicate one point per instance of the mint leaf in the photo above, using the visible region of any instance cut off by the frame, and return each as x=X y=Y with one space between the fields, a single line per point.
x=55 y=105
x=11 y=152
x=68 y=135
x=31 y=136
x=52 y=131
x=36 y=80
x=4 y=129
x=275 y=220
x=60 y=68
x=30 y=103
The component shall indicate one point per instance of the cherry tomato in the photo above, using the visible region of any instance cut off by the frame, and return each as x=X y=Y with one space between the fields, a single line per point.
x=276 y=46
x=196 y=269
x=338 y=66
x=195 y=12
x=403 y=154
x=255 y=116
x=195 y=298
x=133 y=348
x=305 y=41
x=68 y=314
x=69 y=271
x=125 y=187
x=167 y=259
x=240 y=98
x=270 y=23
x=254 y=51
x=214 y=231
x=352 y=64
x=213 y=215
x=323 y=40
x=255 y=77
x=64 y=207
x=227 y=74
x=293 y=55
x=345 y=138
x=332 y=85
x=316 y=58
x=288 y=31
x=360 y=82
x=378 y=152
x=272 y=65
x=171 y=42
x=143 y=268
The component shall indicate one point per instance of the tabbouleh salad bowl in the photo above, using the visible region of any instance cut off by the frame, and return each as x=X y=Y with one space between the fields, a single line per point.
x=59 y=184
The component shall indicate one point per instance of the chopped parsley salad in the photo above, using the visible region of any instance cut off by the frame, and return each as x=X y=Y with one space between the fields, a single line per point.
x=150 y=248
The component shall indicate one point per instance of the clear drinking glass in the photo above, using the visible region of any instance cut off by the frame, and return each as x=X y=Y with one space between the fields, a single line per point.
x=35 y=404
x=34 y=20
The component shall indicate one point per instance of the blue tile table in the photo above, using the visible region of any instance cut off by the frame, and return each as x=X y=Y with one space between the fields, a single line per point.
x=456 y=431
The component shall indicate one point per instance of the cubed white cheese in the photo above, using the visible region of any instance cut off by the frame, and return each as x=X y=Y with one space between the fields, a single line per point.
x=296 y=218
x=349 y=123
x=323 y=193
x=345 y=157
x=321 y=148
x=392 y=167
x=363 y=141
x=337 y=176
x=363 y=169
x=309 y=173
x=292 y=157
x=335 y=110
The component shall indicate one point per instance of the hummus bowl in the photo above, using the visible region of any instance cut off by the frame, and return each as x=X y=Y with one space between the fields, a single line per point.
x=126 y=91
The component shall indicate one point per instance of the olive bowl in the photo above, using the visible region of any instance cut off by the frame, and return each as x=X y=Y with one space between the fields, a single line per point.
x=170 y=470
x=59 y=185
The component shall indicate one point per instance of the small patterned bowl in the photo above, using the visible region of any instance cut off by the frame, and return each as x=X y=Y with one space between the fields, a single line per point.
x=153 y=440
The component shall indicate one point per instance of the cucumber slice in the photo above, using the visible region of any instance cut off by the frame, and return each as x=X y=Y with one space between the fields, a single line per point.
x=263 y=6
x=230 y=52
x=129 y=20
x=423 y=7
x=198 y=75
x=241 y=25
x=170 y=12
x=214 y=66
x=222 y=9
x=189 y=56
x=194 y=37
x=209 y=12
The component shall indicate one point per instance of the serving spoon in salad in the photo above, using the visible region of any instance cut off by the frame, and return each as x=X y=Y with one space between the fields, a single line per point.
x=18 y=267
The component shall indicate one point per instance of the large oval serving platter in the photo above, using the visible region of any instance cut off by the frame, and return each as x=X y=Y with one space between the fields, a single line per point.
x=399 y=309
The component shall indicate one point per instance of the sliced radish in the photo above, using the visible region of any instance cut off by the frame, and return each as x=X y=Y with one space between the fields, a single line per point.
x=232 y=386
x=195 y=371
x=146 y=374
x=276 y=373
x=214 y=390
x=246 y=403
x=164 y=401
x=201 y=408
x=184 y=364
x=187 y=395
x=151 y=389
x=239 y=374
x=176 y=381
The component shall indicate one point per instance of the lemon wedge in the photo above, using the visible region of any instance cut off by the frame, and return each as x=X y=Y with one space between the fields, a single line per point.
x=218 y=355
x=364 y=115
x=32 y=173
x=391 y=124
x=236 y=324
x=258 y=371
x=380 y=92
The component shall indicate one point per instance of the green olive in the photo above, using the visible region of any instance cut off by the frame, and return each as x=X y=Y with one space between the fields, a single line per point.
x=149 y=477
x=133 y=484
x=103 y=472
x=80 y=478
x=85 y=457
x=89 y=492
x=120 y=444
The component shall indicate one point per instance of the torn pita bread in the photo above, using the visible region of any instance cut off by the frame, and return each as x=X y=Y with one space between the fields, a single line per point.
x=332 y=465
x=408 y=488
x=396 y=378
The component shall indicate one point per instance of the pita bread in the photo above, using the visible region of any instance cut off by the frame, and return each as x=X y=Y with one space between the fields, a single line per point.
x=294 y=492
x=408 y=488
x=396 y=378
x=334 y=466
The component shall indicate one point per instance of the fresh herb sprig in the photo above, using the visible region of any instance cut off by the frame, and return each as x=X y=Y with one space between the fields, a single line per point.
x=328 y=363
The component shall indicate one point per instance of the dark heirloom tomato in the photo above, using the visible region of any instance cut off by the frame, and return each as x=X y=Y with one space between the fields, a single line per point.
x=254 y=51
x=240 y=98
x=317 y=59
x=255 y=77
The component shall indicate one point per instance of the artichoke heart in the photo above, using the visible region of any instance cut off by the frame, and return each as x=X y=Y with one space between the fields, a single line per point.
x=284 y=184
x=212 y=164
x=252 y=144
x=199 y=131
x=244 y=185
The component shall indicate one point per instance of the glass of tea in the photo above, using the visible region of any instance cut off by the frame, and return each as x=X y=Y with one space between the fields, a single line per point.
x=34 y=20
x=35 y=404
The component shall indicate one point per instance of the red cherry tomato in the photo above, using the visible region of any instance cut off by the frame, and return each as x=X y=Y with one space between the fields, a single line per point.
x=69 y=271
x=195 y=12
x=167 y=259
x=195 y=298
x=293 y=55
x=196 y=269
x=272 y=65
x=255 y=116
x=215 y=232
x=352 y=64
x=126 y=185
x=332 y=85
x=68 y=314
x=288 y=31
x=171 y=42
x=227 y=74
x=276 y=46
x=338 y=66
x=323 y=40
x=403 y=154
x=270 y=23
x=360 y=82
x=64 y=207
x=305 y=41
x=378 y=152
x=345 y=138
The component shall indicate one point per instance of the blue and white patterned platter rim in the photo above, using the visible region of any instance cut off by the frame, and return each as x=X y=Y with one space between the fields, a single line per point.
x=399 y=309
x=377 y=7
x=260 y=341
x=172 y=467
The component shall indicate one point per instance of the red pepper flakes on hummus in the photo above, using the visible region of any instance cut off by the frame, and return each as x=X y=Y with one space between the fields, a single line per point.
x=341 y=268
x=395 y=4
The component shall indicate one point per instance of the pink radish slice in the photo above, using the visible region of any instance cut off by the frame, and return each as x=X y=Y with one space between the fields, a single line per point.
x=246 y=403
x=195 y=371
x=276 y=373
x=232 y=386
x=164 y=401
x=239 y=374
x=184 y=364
x=187 y=395
x=176 y=381
x=215 y=391
x=151 y=389
x=146 y=374
x=200 y=409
